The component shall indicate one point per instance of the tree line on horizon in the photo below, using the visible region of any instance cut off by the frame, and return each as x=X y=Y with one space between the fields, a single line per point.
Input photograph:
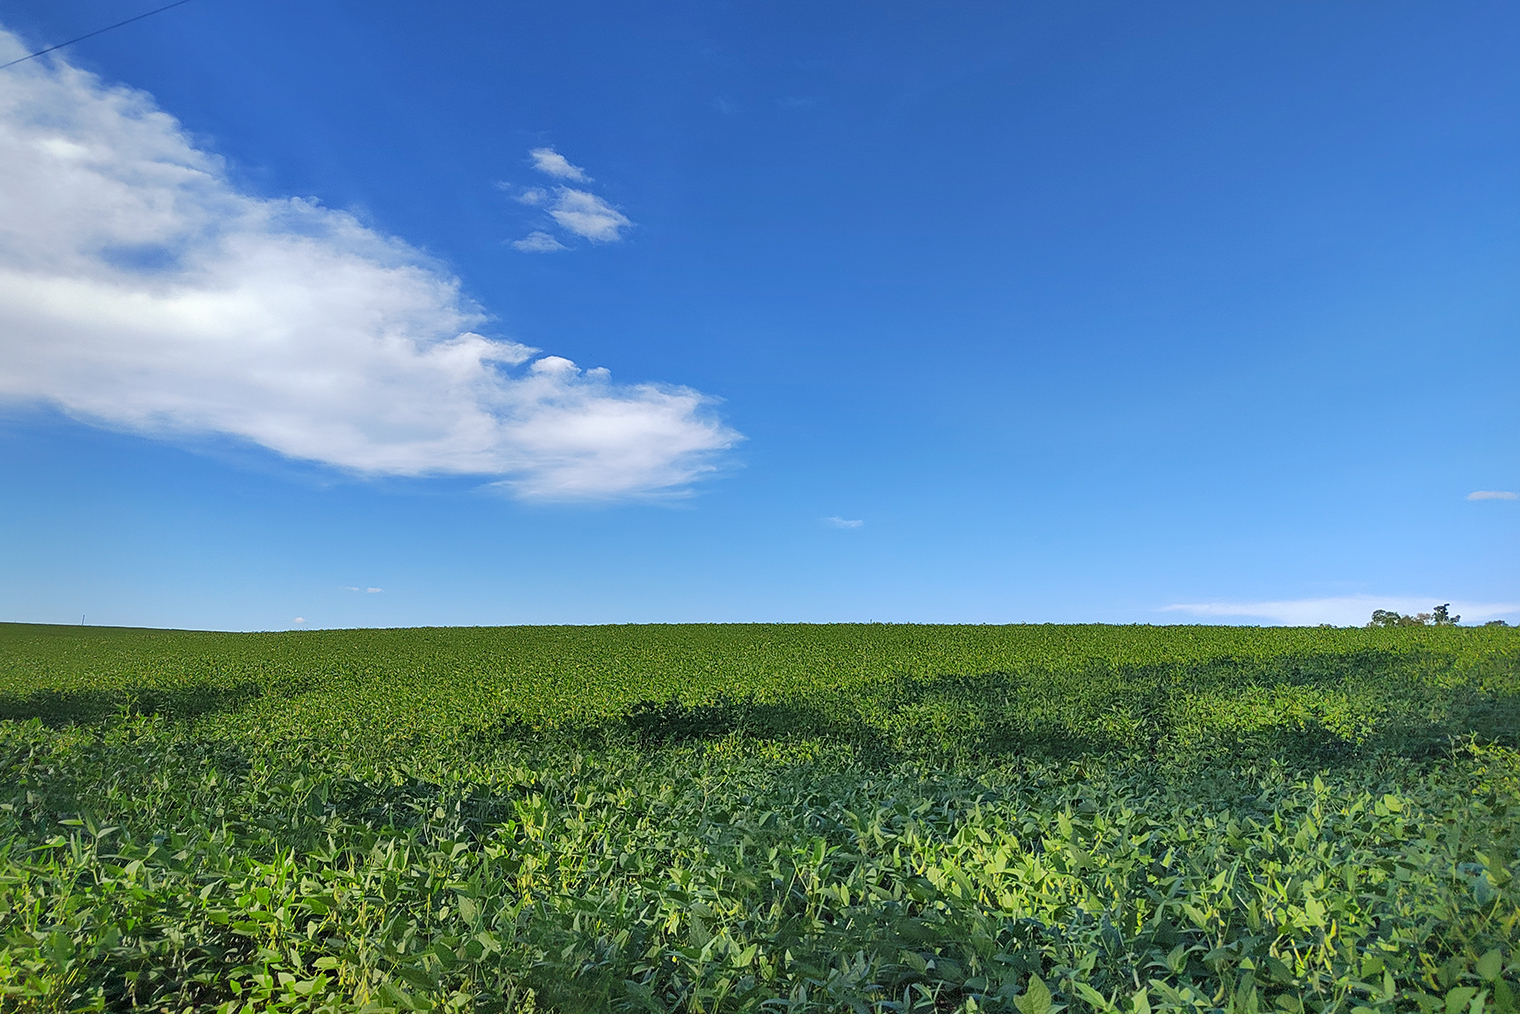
x=1440 y=616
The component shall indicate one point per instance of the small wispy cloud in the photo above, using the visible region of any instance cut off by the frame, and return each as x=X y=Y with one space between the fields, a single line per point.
x=1343 y=611
x=355 y=588
x=834 y=522
x=374 y=591
x=1493 y=494
x=578 y=212
x=552 y=163
x=299 y=619
x=588 y=216
x=538 y=242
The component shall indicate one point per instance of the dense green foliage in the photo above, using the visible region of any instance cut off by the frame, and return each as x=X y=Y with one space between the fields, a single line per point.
x=762 y=818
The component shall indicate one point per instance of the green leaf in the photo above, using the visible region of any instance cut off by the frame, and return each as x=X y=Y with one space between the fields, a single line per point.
x=1490 y=965
x=60 y=949
x=417 y=977
x=1097 y=1001
x=398 y=998
x=1504 y=998
x=1428 y=1004
x=1035 y=999
x=1458 y=997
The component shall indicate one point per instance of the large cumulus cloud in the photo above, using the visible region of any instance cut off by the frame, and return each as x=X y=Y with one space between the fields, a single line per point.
x=141 y=288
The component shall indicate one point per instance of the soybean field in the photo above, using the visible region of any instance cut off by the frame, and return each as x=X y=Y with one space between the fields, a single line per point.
x=762 y=818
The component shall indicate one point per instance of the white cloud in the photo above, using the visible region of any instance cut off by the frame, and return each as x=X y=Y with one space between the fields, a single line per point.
x=140 y=289
x=588 y=215
x=552 y=163
x=539 y=242
x=578 y=212
x=842 y=522
x=1492 y=494
x=299 y=619
x=1347 y=610
x=374 y=591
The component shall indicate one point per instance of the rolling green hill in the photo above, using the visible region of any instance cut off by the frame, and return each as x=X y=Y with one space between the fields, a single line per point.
x=761 y=817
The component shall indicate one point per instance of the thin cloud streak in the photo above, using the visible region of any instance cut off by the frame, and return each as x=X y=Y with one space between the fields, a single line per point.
x=1493 y=494
x=140 y=289
x=834 y=522
x=539 y=242
x=1343 y=611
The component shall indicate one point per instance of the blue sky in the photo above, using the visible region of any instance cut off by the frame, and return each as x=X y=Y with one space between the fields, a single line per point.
x=379 y=314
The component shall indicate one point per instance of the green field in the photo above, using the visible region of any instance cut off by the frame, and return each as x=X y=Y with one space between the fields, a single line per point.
x=761 y=818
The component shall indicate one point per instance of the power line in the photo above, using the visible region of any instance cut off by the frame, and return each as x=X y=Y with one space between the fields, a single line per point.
x=91 y=35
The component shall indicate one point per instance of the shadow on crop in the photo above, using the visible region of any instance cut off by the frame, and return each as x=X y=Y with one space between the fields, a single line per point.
x=57 y=708
x=1310 y=710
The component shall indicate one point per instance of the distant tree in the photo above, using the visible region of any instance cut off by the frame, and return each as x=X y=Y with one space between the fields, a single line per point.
x=1496 y=623
x=1440 y=616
